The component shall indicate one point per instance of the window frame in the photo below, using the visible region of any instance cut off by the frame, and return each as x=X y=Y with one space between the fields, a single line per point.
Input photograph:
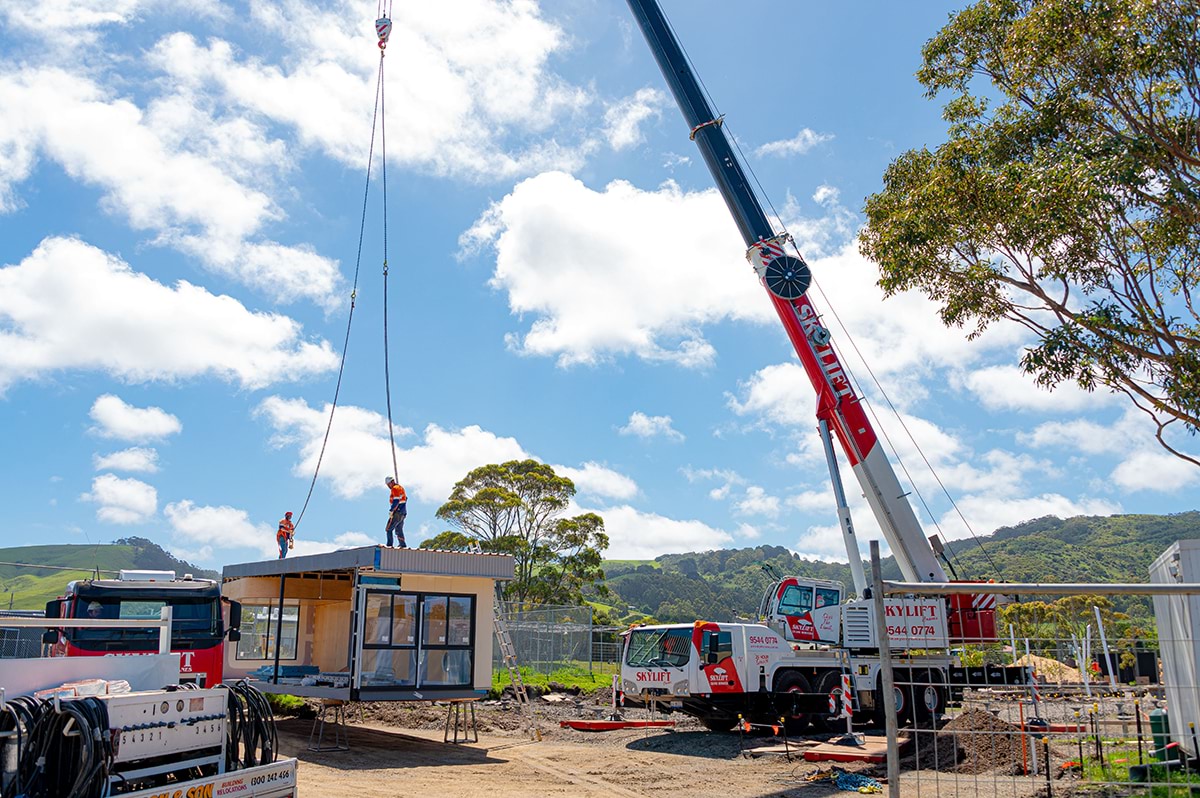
x=249 y=630
x=422 y=601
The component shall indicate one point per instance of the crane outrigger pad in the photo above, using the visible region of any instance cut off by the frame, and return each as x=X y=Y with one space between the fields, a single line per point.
x=613 y=725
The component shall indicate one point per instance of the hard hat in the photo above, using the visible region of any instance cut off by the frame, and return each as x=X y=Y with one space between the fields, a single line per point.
x=288 y=514
x=389 y=481
x=95 y=605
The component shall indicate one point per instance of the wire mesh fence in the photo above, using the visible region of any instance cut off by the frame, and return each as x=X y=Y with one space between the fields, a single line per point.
x=1076 y=693
x=551 y=638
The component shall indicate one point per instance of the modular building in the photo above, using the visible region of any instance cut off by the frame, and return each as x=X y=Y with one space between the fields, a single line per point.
x=370 y=624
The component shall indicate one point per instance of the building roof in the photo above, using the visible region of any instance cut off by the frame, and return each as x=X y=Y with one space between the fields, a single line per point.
x=384 y=560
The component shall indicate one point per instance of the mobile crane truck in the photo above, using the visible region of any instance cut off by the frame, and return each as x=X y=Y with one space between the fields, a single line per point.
x=796 y=662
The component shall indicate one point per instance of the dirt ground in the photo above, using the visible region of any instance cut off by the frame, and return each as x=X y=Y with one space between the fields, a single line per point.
x=400 y=749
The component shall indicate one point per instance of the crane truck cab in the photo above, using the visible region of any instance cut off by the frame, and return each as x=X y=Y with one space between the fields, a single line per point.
x=201 y=621
x=804 y=610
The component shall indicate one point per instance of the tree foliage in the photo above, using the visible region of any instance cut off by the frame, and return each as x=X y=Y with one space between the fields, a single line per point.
x=1067 y=197
x=518 y=508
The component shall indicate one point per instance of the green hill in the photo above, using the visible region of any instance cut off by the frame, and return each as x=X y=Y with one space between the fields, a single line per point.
x=728 y=583
x=29 y=588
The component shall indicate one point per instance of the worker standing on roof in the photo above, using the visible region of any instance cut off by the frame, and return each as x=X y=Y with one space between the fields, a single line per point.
x=287 y=532
x=397 y=512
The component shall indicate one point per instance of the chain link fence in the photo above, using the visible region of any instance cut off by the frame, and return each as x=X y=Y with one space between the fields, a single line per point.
x=19 y=643
x=548 y=638
x=1089 y=690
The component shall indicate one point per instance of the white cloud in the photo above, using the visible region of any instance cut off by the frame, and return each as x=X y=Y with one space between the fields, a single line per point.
x=149 y=176
x=756 y=501
x=1008 y=387
x=596 y=480
x=484 y=81
x=122 y=501
x=726 y=477
x=780 y=393
x=592 y=269
x=623 y=119
x=1155 y=471
x=117 y=419
x=644 y=426
x=139 y=459
x=357 y=457
x=637 y=535
x=136 y=329
x=799 y=144
x=227 y=530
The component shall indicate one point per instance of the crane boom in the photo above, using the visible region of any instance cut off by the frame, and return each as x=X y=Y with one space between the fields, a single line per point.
x=786 y=278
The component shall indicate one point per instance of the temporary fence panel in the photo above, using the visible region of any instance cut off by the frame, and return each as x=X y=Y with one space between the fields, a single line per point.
x=548 y=638
x=1073 y=699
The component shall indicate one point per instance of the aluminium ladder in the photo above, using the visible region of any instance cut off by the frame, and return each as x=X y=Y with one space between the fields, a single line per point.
x=509 y=653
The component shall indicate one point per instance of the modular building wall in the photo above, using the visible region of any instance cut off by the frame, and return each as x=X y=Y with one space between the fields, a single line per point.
x=370 y=624
x=1178 y=620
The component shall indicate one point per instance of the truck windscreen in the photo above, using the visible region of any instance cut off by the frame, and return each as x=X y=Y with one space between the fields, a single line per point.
x=659 y=648
x=196 y=623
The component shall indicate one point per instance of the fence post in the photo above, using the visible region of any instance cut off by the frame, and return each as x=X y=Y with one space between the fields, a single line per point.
x=886 y=677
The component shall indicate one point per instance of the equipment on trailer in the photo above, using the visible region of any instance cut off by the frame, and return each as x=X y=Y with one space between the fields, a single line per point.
x=200 y=620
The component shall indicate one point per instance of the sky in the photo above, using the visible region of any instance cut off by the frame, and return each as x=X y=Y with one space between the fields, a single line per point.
x=183 y=192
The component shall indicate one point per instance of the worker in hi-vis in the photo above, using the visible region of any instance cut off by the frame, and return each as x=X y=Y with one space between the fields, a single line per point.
x=287 y=532
x=397 y=512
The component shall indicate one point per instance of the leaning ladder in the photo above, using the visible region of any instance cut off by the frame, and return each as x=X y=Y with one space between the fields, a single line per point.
x=508 y=652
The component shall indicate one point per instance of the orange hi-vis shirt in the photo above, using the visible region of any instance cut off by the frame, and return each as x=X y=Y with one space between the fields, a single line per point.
x=286 y=529
x=398 y=496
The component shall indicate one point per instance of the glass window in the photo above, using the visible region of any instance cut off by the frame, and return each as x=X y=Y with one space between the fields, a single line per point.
x=259 y=624
x=445 y=667
x=434 y=621
x=661 y=648
x=378 y=627
x=827 y=597
x=796 y=600
x=459 y=626
x=196 y=623
x=428 y=640
x=404 y=620
x=724 y=644
x=387 y=667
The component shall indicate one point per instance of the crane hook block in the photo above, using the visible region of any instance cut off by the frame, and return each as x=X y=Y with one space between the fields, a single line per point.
x=383 y=27
x=785 y=276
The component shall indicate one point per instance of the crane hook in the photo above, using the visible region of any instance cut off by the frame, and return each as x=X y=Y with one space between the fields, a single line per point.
x=383 y=28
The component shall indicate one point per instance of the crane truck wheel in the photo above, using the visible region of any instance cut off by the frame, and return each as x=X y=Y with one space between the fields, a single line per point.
x=830 y=686
x=792 y=682
x=903 y=690
x=929 y=697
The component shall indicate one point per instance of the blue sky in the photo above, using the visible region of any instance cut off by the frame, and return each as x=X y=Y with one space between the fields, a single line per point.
x=181 y=187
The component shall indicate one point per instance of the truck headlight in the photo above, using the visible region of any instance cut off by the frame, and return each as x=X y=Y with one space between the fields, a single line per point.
x=680 y=688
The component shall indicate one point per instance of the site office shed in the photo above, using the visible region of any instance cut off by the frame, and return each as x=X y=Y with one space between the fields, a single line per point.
x=372 y=623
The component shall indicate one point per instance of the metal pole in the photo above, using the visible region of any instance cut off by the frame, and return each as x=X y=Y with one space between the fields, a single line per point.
x=888 y=684
x=843 y=510
x=279 y=626
x=1041 y=588
x=1112 y=665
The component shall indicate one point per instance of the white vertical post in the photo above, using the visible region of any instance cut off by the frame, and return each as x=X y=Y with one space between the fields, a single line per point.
x=164 y=631
x=1112 y=670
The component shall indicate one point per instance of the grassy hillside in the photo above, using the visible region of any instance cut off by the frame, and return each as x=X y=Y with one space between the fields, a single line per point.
x=30 y=588
x=727 y=584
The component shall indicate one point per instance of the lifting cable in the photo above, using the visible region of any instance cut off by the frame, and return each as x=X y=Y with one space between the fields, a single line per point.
x=895 y=453
x=383 y=27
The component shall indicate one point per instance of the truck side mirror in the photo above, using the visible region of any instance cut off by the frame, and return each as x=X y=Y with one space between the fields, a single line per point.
x=50 y=637
x=714 y=649
x=235 y=634
x=235 y=614
x=54 y=608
